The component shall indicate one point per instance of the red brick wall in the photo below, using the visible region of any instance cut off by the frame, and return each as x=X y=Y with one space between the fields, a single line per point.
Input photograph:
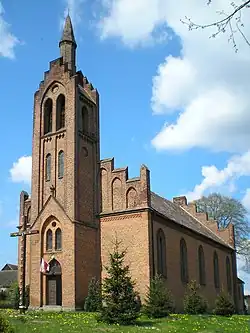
x=173 y=234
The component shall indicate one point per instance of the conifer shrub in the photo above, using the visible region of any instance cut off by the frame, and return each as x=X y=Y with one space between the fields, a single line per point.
x=14 y=295
x=224 y=305
x=5 y=326
x=120 y=300
x=93 y=301
x=159 y=300
x=193 y=302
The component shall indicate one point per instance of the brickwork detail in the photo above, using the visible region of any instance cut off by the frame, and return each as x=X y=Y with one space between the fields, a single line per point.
x=226 y=234
x=118 y=192
x=122 y=217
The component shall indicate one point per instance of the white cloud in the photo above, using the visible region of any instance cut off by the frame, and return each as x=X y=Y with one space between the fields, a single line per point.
x=7 y=40
x=213 y=178
x=135 y=22
x=208 y=84
x=21 y=170
x=73 y=7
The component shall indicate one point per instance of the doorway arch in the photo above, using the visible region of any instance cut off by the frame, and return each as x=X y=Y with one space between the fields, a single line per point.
x=54 y=284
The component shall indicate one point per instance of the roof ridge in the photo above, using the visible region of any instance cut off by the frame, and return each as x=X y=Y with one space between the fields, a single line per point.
x=185 y=218
x=194 y=217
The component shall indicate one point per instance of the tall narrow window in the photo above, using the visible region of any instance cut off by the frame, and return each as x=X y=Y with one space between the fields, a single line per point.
x=183 y=261
x=58 y=239
x=216 y=271
x=48 y=116
x=161 y=253
x=229 y=276
x=49 y=240
x=85 y=119
x=202 y=268
x=60 y=112
x=48 y=167
x=60 y=164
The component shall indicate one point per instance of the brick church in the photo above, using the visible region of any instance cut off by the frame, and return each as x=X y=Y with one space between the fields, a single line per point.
x=79 y=204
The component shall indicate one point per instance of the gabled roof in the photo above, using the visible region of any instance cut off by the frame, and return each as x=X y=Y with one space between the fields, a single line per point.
x=7 y=278
x=178 y=215
x=10 y=267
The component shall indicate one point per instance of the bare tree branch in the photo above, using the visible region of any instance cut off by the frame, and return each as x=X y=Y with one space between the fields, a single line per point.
x=225 y=23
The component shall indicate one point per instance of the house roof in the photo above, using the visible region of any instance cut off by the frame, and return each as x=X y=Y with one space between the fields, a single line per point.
x=7 y=278
x=178 y=215
x=10 y=267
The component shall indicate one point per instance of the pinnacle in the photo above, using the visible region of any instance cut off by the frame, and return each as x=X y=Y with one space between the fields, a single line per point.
x=68 y=33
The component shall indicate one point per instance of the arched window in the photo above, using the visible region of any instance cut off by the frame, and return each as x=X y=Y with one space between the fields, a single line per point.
x=60 y=164
x=49 y=240
x=216 y=271
x=85 y=120
x=229 y=276
x=202 y=268
x=161 y=253
x=183 y=261
x=48 y=116
x=58 y=239
x=48 y=167
x=60 y=112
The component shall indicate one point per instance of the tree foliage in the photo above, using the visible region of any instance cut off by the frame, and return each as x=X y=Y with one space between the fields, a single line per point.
x=93 y=301
x=159 y=301
x=228 y=21
x=193 y=302
x=226 y=210
x=120 y=300
x=14 y=295
x=224 y=305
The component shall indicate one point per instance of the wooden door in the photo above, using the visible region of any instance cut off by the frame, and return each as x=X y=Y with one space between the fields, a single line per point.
x=51 y=290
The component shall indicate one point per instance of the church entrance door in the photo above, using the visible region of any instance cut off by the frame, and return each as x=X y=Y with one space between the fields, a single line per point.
x=54 y=284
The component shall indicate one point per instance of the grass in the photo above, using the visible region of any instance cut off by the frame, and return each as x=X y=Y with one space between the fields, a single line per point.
x=43 y=322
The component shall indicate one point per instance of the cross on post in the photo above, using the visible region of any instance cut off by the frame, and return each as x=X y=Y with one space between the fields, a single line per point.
x=23 y=233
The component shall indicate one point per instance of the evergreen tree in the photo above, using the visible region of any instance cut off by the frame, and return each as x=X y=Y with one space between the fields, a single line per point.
x=93 y=301
x=120 y=304
x=224 y=305
x=14 y=295
x=159 y=300
x=193 y=302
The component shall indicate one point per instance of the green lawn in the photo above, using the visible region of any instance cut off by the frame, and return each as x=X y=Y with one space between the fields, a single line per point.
x=42 y=322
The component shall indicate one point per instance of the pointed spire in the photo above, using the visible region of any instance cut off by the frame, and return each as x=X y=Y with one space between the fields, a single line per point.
x=68 y=33
x=68 y=45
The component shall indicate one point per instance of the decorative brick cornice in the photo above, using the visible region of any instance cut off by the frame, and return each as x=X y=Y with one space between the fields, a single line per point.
x=121 y=217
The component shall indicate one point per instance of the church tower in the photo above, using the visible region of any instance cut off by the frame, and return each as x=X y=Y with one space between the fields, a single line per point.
x=64 y=203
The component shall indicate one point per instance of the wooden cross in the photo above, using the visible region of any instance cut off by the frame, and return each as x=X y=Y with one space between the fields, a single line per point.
x=23 y=234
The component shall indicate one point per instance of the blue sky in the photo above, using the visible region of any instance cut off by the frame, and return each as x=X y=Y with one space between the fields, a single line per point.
x=174 y=100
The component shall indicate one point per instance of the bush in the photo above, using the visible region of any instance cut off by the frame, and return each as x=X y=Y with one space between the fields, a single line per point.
x=3 y=295
x=120 y=301
x=13 y=295
x=224 y=305
x=159 y=301
x=193 y=302
x=5 y=326
x=93 y=301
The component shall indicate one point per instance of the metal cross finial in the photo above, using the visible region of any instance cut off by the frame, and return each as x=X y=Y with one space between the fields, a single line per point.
x=23 y=233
